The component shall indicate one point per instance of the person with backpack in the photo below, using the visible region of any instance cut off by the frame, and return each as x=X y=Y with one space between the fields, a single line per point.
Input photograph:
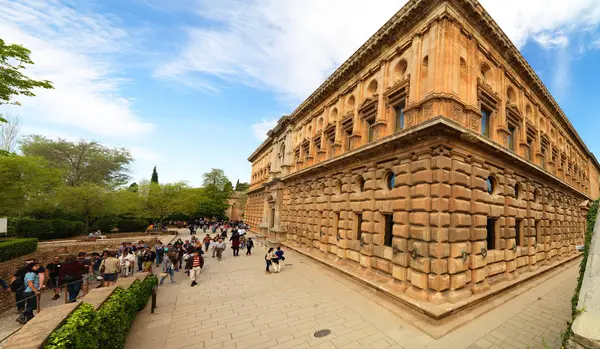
x=269 y=258
x=17 y=283
x=71 y=275
x=279 y=259
x=31 y=289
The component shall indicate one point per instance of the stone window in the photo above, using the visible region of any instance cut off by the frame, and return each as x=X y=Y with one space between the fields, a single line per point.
x=360 y=183
x=491 y=233
x=338 y=187
x=389 y=230
x=485 y=121
x=333 y=115
x=400 y=69
x=372 y=88
x=538 y=231
x=518 y=237
x=511 y=136
x=490 y=184
x=399 y=116
x=369 y=123
x=390 y=180
x=529 y=151
x=336 y=223
x=358 y=224
x=350 y=103
x=511 y=96
x=536 y=196
x=518 y=191
x=485 y=73
x=347 y=139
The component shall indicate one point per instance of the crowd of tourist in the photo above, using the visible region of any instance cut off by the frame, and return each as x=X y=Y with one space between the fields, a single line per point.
x=74 y=274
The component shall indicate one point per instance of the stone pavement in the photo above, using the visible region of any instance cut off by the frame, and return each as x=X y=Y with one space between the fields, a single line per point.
x=238 y=305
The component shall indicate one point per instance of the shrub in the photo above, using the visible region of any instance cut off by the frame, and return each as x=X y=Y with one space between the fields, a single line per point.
x=591 y=222
x=44 y=229
x=132 y=225
x=106 y=328
x=17 y=247
x=106 y=224
x=78 y=331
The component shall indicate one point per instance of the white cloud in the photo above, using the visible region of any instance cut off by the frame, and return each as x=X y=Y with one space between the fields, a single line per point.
x=547 y=40
x=291 y=46
x=261 y=128
x=79 y=53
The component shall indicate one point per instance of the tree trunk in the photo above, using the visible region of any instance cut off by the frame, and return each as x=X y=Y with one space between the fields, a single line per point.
x=87 y=224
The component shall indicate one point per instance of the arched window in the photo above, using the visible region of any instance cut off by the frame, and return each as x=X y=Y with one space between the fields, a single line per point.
x=320 y=124
x=333 y=115
x=528 y=111
x=485 y=73
x=372 y=88
x=390 y=180
x=360 y=183
x=490 y=183
x=350 y=103
x=511 y=96
x=400 y=69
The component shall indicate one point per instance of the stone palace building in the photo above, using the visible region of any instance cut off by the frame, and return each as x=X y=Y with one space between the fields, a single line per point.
x=433 y=158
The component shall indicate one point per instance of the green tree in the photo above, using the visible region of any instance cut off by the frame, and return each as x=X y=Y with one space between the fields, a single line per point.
x=24 y=182
x=133 y=187
x=160 y=200
x=216 y=193
x=83 y=161
x=154 y=178
x=13 y=59
x=89 y=200
x=243 y=187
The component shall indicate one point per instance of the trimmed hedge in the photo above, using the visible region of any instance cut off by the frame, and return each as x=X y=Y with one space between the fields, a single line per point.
x=132 y=225
x=16 y=248
x=108 y=327
x=45 y=229
x=591 y=222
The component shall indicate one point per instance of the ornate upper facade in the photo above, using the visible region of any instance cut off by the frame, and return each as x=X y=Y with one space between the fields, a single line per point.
x=410 y=71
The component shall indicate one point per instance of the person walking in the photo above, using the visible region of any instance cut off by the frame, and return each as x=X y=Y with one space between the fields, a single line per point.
x=109 y=268
x=87 y=274
x=206 y=242
x=30 y=293
x=269 y=257
x=249 y=246
x=235 y=243
x=148 y=258
x=220 y=247
x=168 y=270
x=279 y=259
x=71 y=275
x=52 y=272
x=196 y=262
x=130 y=263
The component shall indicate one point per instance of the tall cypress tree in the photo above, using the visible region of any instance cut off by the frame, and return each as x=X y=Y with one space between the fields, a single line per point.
x=154 y=178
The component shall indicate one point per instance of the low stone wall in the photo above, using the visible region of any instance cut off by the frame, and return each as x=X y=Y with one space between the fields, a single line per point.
x=586 y=327
x=35 y=333
x=47 y=251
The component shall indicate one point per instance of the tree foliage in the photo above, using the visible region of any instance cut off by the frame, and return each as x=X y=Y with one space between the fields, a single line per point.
x=158 y=201
x=13 y=59
x=9 y=133
x=83 y=161
x=24 y=182
x=89 y=200
x=154 y=178
x=243 y=187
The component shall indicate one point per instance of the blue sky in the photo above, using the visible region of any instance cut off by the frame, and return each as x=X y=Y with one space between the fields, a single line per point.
x=190 y=85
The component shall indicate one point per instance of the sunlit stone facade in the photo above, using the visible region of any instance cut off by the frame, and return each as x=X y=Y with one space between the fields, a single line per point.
x=433 y=157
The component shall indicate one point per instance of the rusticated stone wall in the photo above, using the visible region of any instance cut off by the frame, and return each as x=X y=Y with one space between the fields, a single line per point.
x=254 y=209
x=440 y=208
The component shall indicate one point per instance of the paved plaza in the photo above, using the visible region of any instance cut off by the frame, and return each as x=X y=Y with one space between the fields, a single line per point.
x=237 y=305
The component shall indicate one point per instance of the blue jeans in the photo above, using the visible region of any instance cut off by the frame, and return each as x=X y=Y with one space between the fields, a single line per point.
x=73 y=290
x=171 y=274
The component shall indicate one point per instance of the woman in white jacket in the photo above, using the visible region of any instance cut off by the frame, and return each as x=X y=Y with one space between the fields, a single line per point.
x=130 y=263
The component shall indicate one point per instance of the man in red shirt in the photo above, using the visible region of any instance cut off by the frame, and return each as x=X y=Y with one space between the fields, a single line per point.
x=197 y=263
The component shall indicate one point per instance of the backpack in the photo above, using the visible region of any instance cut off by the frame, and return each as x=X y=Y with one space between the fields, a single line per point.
x=18 y=285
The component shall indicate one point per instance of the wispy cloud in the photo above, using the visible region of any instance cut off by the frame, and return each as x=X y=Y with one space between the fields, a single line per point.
x=291 y=46
x=79 y=52
x=261 y=128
